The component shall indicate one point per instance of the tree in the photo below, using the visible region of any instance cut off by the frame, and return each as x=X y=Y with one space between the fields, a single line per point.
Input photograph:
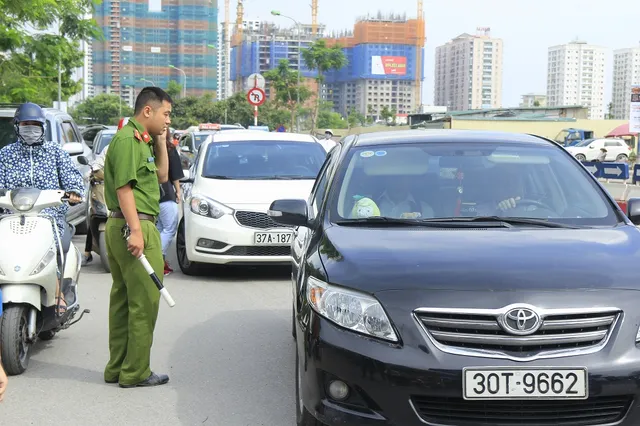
x=101 y=109
x=321 y=58
x=174 y=89
x=354 y=118
x=386 y=114
x=284 y=81
x=610 y=111
x=30 y=55
x=536 y=103
x=327 y=118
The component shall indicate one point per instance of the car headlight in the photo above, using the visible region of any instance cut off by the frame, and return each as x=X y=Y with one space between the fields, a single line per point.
x=350 y=309
x=45 y=260
x=209 y=208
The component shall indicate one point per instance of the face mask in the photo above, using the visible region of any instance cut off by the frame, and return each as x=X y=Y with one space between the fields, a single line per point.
x=30 y=134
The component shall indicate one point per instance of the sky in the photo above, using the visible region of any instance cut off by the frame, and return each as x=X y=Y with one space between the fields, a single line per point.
x=527 y=33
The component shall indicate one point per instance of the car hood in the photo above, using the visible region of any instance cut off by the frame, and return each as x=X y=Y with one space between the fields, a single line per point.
x=377 y=259
x=242 y=192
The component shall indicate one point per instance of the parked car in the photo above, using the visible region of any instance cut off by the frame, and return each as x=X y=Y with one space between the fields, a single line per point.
x=62 y=129
x=194 y=136
x=428 y=287
x=90 y=132
x=588 y=150
x=235 y=176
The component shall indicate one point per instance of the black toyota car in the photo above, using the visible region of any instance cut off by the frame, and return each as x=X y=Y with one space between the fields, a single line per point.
x=462 y=278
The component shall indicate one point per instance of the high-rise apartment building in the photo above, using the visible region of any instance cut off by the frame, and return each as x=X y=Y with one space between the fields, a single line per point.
x=85 y=75
x=626 y=73
x=151 y=42
x=576 y=73
x=468 y=72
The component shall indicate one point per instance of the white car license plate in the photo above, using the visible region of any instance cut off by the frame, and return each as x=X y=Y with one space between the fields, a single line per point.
x=525 y=383
x=273 y=238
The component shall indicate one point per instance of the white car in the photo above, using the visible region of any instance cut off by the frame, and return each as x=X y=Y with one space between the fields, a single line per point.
x=589 y=149
x=235 y=177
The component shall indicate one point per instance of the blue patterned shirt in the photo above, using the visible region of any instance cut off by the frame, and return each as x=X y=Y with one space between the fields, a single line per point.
x=45 y=166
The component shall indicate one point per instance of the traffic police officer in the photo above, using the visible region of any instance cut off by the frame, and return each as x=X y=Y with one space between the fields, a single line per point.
x=135 y=165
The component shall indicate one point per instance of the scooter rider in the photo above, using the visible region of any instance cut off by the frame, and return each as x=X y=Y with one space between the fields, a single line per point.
x=32 y=162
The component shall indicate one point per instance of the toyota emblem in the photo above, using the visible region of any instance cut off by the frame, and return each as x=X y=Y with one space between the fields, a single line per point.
x=521 y=321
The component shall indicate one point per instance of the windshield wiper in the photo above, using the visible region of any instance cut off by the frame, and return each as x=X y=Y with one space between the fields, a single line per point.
x=505 y=220
x=432 y=223
x=217 y=177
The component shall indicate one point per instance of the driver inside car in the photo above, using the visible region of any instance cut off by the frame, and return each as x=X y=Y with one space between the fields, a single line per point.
x=32 y=162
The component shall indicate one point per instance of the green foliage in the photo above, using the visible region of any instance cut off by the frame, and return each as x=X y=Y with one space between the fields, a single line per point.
x=174 y=89
x=322 y=58
x=284 y=81
x=29 y=59
x=327 y=118
x=101 y=109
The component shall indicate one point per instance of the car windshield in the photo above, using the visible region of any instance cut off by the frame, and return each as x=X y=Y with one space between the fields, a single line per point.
x=105 y=139
x=263 y=160
x=467 y=180
x=199 y=138
x=585 y=142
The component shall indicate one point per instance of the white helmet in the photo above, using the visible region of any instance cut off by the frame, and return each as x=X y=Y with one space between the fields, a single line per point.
x=328 y=131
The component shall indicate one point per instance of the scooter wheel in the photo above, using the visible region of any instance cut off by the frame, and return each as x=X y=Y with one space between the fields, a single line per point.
x=15 y=346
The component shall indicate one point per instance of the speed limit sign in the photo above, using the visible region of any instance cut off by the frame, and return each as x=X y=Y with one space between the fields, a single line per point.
x=256 y=96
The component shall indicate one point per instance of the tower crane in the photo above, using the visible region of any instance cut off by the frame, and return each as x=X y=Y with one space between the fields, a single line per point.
x=238 y=44
x=314 y=17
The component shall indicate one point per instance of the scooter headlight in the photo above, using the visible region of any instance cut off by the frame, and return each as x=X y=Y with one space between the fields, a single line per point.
x=23 y=199
x=51 y=254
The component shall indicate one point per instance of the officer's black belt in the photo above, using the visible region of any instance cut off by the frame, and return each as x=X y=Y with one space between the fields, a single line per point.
x=141 y=216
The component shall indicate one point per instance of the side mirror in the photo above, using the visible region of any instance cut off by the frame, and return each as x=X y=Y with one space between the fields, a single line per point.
x=83 y=160
x=591 y=146
x=633 y=210
x=185 y=148
x=289 y=212
x=73 y=148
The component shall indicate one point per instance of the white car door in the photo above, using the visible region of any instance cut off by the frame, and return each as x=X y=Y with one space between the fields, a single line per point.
x=615 y=148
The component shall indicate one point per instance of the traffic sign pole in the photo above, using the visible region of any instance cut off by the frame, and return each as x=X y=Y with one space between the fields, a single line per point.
x=255 y=115
x=256 y=97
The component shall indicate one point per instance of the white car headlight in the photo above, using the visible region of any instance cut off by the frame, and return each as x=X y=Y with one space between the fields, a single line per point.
x=350 y=309
x=51 y=254
x=207 y=207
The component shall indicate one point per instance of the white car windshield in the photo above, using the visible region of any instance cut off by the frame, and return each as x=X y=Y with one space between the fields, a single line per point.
x=447 y=180
x=263 y=160
x=585 y=142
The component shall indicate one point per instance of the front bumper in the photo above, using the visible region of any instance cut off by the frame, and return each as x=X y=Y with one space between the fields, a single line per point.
x=229 y=242
x=414 y=383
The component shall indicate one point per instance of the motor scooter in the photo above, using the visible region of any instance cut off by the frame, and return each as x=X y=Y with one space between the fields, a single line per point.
x=98 y=215
x=33 y=259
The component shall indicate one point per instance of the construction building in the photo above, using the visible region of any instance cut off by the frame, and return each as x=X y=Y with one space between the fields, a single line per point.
x=468 y=72
x=626 y=73
x=385 y=67
x=263 y=47
x=575 y=76
x=225 y=85
x=152 y=42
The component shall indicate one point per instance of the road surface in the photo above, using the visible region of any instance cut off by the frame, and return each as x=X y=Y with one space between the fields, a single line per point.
x=226 y=346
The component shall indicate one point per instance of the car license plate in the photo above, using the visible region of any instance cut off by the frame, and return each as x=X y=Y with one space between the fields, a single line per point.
x=273 y=238
x=525 y=383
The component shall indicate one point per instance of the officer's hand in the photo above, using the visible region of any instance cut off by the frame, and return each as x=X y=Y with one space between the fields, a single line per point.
x=135 y=244
x=507 y=204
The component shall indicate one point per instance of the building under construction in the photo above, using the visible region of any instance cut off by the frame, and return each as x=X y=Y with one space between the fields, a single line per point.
x=385 y=66
x=262 y=47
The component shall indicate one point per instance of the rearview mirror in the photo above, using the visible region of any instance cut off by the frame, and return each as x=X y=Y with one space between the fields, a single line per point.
x=73 y=148
x=633 y=210
x=289 y=212
x=83 y=160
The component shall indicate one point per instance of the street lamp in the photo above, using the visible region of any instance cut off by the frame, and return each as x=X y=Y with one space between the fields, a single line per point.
x=277 y=13
x=184 y=88
x=148 y=81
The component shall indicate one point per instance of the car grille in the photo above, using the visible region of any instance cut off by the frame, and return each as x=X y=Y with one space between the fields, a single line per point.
x=479 y=331
x=459 y=412
x=258 y=251
x=256 y=220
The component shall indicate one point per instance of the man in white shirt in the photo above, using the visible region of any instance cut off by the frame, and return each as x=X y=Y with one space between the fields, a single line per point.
x=327 y=143
x=398 y=202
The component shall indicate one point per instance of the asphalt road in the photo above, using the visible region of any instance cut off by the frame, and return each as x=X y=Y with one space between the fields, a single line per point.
x=226 y=346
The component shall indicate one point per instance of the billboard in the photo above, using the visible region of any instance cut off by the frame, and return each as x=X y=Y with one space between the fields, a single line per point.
x=389 y=65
